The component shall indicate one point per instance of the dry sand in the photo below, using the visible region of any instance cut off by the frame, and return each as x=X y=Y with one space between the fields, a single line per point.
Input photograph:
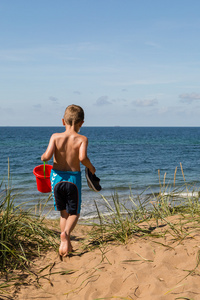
x=145 y=268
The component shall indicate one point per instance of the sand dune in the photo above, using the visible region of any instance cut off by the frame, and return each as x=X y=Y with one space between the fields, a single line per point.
x=161 y=268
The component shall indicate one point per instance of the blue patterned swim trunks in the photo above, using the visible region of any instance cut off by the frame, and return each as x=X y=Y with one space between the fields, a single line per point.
x=66 y=191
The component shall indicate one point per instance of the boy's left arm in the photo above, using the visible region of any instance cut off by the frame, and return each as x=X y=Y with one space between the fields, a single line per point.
x=83 y=156
x=47 y=155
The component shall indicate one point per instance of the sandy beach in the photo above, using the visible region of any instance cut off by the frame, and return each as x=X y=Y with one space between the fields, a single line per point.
x=146 y=268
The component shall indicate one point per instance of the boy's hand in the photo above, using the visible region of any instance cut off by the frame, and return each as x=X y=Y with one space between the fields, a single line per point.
x=92 y=169
x=42 y=158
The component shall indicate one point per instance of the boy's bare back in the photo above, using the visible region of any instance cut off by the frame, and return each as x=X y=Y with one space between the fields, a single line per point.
x=68 y=149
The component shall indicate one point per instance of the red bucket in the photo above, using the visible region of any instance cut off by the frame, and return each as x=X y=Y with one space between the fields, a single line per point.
x=43 y=180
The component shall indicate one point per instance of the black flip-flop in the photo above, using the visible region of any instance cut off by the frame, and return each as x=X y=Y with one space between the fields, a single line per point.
x=92 y=180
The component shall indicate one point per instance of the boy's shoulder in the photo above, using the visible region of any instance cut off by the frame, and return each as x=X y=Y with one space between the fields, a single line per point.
x=66 y=135
x=82 y=137
x=56 y=135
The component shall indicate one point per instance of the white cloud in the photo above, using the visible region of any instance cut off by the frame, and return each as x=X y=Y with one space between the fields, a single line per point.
x=68 y=52
x=77 y=92
x=145 y=103
x=103 y=100
x=6 y=110
x=119 y=100
x=53 y=99
x=188 y=98
x=37 y=106
x=153 y=45
x=145 y=82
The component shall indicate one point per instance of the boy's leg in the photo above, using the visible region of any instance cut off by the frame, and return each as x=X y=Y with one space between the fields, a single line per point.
x=63 y=219
x=67 y=224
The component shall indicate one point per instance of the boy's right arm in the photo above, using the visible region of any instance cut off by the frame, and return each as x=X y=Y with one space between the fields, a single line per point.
x=83 y=155
x=47 y=155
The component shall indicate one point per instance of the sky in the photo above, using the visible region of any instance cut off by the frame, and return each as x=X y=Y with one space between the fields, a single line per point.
x=126 y=62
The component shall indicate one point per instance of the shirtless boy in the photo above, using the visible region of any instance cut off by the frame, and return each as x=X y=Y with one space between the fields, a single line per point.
x=68 y=149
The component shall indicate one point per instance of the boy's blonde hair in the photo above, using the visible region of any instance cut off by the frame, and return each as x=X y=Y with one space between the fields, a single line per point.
x=73 y=114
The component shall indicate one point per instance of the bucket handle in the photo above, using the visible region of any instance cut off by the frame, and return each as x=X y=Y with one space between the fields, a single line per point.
x=44 y=169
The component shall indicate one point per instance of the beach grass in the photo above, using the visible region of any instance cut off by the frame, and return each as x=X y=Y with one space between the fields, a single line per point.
x=25 y=235
x=121 y=220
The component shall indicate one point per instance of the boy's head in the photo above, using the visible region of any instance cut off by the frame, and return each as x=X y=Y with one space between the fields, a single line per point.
x=74 y=114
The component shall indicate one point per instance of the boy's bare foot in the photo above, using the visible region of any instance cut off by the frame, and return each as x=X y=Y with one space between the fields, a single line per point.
x=65 y=245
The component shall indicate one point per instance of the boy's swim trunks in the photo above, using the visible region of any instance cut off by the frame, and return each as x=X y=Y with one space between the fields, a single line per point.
x=66 y=190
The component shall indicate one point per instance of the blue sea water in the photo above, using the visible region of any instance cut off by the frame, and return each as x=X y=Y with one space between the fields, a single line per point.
x=125 y=158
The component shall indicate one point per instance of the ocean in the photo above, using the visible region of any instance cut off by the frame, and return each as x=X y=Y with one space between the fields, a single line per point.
x=127 y=160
